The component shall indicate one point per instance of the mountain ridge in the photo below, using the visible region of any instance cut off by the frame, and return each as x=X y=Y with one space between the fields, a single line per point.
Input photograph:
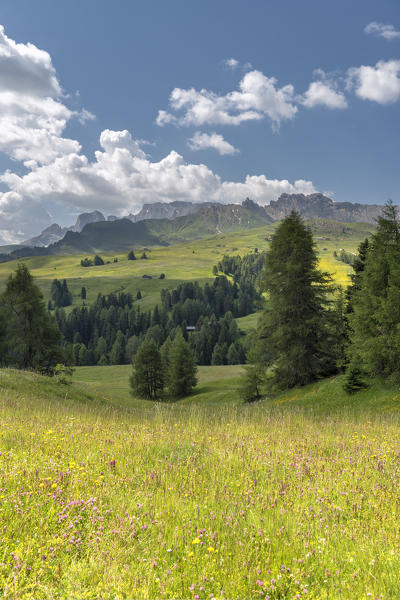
x=93 y=233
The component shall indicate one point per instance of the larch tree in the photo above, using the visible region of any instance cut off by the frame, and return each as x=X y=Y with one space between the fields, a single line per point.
x=296 y=321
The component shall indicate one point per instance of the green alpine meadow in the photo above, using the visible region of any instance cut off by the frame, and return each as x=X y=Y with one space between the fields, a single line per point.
x=199 y=300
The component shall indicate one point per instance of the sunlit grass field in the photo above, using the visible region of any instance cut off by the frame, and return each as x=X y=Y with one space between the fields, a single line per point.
x=186 y=261
x=106 y=496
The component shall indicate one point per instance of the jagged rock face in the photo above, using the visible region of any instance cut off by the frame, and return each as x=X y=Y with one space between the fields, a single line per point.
x=318 y=206
x=50 y=235
x=86 y=218
x=54 y=233
x=168 y=210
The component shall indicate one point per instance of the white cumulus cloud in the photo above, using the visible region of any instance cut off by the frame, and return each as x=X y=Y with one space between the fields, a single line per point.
x=323 y=93
x=202 y=141
x=258 y=97
x=380 y=83
x=32 y=117
x=387 y=31
x=122 y=178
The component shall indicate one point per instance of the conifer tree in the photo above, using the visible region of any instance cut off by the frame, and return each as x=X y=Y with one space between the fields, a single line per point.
x=83 y=293
x=147 y=379
x=295 y=321
x=97 y=261
x=181 y=376
x=131 y=255
x=354 y=381
x=375 y=320
x=33 y=338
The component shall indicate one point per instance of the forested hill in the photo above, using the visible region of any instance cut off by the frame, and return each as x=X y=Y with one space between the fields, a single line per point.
x=122 y=234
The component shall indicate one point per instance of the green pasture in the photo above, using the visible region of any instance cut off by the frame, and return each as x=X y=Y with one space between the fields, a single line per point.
x=186 y=261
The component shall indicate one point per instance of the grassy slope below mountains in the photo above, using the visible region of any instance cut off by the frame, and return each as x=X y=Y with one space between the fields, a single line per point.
x=297 y=496
x=122 y=234
x=187 y=261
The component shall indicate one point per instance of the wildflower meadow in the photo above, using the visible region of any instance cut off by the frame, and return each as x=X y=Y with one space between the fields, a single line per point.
x=193 y=501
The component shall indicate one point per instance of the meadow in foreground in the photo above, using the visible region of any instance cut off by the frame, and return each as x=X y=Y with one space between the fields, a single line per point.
x=194 y=499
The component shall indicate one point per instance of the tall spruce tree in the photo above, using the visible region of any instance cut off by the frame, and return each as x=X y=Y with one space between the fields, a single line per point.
x=147 y=379
x=375 y=317
x=33 y=338
x=295 y=321
x=181 y=376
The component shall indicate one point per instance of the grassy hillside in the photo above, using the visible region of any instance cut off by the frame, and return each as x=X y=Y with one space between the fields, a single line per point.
x=296 y=497
x=189 y=260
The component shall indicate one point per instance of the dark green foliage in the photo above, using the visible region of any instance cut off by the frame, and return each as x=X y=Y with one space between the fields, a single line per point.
x=255 y=375
x=246 y=270
x=98 y=261
x=86 y=262
x=375 y=301
x=139 y=295
x=236 y=355
x=215 y=270
x=131 y=255
x=60 y=293
x=117 y=354
x=131 y=348
x=143 y=256
x=208 y=310
x=219 y=355
x=33 y=340
x=83 y=293
x=165 y=353
x=296 y=322
x=147 y=379
x=354 y=381
x=102 y=360
x=162 y=276
x=358 y=268
x=181 y=375
x=346 y=257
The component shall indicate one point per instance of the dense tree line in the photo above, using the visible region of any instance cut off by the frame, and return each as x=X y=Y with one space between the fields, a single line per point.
x=111 y=330
x=245 y=270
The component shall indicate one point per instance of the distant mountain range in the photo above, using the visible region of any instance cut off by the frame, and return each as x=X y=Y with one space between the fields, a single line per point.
x=178 y=221
x=54 y=233
x=318 y=206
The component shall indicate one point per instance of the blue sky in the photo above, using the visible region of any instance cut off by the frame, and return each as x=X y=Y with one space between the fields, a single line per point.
x=258 y=127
